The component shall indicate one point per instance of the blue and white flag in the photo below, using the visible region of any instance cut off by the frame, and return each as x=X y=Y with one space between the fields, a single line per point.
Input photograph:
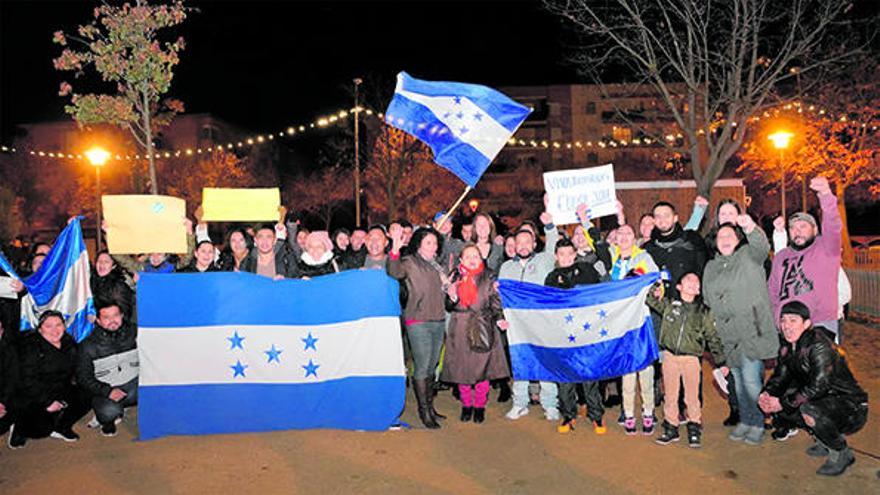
x=62 y=283
x=593 y=332
x=237 y=352
x=466 y=125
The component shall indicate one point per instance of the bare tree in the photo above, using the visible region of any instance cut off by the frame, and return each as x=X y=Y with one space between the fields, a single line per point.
x=713 y=63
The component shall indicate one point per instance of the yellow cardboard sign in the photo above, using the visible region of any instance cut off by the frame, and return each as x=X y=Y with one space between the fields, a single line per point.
x=240 y=205
x=144 y=224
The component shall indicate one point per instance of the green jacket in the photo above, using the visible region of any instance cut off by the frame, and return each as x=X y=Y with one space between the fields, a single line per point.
x=735 y=288
x=686 y=329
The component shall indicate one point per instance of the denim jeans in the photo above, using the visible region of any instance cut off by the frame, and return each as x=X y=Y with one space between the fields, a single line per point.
x=748 y=380
x=425 y=341
x=107 y=410
x=549 y=391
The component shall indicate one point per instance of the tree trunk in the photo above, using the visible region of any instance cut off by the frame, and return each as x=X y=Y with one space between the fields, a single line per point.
x=848 y=258
x=154 y=189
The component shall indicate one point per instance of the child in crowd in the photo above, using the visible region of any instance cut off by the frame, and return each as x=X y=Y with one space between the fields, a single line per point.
x=687 y=329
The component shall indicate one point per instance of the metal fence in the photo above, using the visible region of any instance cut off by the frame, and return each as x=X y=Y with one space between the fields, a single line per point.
x=865 y=291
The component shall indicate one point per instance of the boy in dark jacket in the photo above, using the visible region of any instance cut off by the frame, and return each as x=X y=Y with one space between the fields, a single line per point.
x=687 y=328
x=569 y=274
x=108 y=366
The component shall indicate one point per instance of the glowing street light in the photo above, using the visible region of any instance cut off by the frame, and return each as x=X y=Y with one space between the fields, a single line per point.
x=781 y=140
x=98 y=157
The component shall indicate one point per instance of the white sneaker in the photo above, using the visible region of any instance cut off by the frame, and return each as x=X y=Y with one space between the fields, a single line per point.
x=552 y=414
x=517 y=412
x=93 y=423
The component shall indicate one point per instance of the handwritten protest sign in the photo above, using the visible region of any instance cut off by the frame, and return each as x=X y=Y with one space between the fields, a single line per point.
x=240 y=205
x=145 y=224
x=566 y=189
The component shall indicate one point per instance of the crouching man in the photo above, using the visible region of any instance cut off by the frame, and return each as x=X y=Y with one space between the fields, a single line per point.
x=814 y=387
x=108 y=366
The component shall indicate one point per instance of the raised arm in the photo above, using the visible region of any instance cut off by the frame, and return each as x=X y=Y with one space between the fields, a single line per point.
x=700 y=206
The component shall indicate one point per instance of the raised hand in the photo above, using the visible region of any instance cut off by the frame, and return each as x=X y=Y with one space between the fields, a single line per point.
x=820 y=185
x=282 y=213
x=503 y=324
x=198 y=214
x=746 y=223
x=701 y=201
x=583 y=212
x=779 y=224
x=395 y=232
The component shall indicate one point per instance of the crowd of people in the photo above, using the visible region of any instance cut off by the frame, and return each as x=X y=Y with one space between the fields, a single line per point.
x=725 y=298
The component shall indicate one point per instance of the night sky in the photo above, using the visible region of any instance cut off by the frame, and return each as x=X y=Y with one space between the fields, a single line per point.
x=264 y=65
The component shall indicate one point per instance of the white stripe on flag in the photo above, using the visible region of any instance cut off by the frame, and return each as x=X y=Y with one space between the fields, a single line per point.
x=199 y=355
x=588 y=325
x=468 y=122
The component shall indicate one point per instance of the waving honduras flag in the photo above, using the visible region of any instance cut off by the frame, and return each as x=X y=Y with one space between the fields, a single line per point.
x=593 y=332
x=237 y=352
x=466 y=125
x=61 y=284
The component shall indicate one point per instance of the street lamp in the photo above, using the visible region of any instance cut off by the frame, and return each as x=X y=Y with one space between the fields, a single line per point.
x=357 y=159
x=781 y=140
x=98 y=157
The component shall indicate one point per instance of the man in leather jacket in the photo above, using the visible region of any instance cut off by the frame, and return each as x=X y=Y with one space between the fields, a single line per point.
x=812 y=380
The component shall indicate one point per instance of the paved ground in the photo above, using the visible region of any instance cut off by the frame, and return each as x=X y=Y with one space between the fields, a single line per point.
x=526 y=456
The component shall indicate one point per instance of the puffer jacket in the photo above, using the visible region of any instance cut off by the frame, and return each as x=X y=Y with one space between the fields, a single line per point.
x=686 y=329
x=108 y=359
x=679 y=252
x=813 y=368
x=41 y=373
x=733 y=286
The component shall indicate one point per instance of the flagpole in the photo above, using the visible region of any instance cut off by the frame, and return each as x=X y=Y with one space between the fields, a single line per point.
x=451 y=210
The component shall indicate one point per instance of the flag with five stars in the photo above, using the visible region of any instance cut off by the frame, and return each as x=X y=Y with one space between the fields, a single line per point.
x=593 y=332
x=236 y=352
x=466 y=125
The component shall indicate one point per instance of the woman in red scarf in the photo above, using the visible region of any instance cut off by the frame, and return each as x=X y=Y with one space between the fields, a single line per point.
x=474 y=354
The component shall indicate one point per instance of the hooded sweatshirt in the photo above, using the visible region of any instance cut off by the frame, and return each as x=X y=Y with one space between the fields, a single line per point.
x=809 y=274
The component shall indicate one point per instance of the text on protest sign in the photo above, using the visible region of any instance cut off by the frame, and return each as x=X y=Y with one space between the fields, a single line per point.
x=566 y=189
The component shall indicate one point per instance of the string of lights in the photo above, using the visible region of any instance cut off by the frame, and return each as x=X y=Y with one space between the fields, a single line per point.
x=249 y=141
x=328 y=120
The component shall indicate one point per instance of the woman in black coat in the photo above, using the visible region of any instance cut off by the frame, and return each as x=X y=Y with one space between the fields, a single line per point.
x=45 y=401
x=109 y=284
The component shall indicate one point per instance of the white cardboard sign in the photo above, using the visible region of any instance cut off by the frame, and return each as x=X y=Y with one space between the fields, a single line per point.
x=566 y=189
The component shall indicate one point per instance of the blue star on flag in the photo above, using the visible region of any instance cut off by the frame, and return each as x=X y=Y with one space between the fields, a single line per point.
x=310 y=342
x=235 y=341
x=603 y=332
x=273 y=354
x=587 y=326
x=238 y=369
x=602 y=313
x=311 y=369
x=571 y=338
x=569 y=318
x=478 y=116
x=457 y=100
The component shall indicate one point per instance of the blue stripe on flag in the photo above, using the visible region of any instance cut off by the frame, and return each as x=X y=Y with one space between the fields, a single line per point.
x=633 y=352
x=454 y=155
x=355 y=403
x=499 y=106
x=207 y=299
x=48 y=281
x=523 y=295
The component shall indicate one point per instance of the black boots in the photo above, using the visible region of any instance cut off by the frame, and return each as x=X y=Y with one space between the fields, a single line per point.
x=733 y=418
x=466 y=414
x=432 y=392
x=670 y=434
x=503 y=391
x=838 y=460
x=422 y=392
x=479 y=414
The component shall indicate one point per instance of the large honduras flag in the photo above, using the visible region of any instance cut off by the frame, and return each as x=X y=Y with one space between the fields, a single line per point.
x=466 y=125
x=592 y=332
x=236 y=352
x=61 y=284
